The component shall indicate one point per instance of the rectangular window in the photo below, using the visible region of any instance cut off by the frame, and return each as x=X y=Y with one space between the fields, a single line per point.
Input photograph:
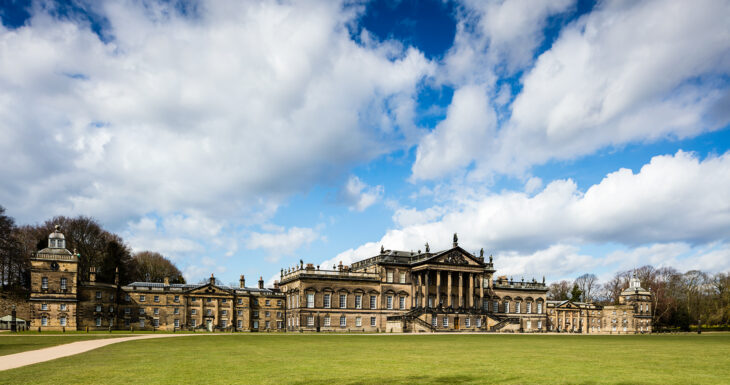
x=495 y=307
x=63 y=283
x=539 y=325
x=156 y=298
x=278 y=314
x=240 y=313
x=224 y=312
x=479 y=322
x=268 y=302
x=44 y=306
x=389 y=276
x=310 y=320
x=127 y=298
x=529 y=308
x=358 y=321
x=268 y=314
x=268 y=324
x=343 y=301
x=255 y=314
x=98 y=295
x=44 y=283
x=240 y=301
x=446 y=321
x=156 y=322
x=372 y=321
x=156 y=311
x=177 y=324
x=224 y=323
x=209 y=311
x=327 y=301
x=434 y=321
x=358 y=301
x=141 y=311
x=539 y=308
x=517 y=307
x=62 y=307
x=127 y=311
x=467 y=322
x=176 y=298
x=402 y=277
x=402 y=302
x=141 y=298
x=389 y=302
x=506 y=306
x=209 y=299
x=176 y=311
x=255 y=324
x=141 y=323
x=193 y=323
x=98 y=321
x=373 y=302
x=224 y=300
x=343 y=321
x=240 y=324
x=44 y=321
x=111 y=309
x=310 y=300
x=63 y=321
x=529 y=324
x=98 y=308
x=327 y=321
x=193 y=311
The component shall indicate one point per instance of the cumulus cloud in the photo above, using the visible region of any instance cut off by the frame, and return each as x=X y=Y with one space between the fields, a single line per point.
x=282 y=243
x=626 y=72
x=675 y=200
x=358 y=195
x=230 y=108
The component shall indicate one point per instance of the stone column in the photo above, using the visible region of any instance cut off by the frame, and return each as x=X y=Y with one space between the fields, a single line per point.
x=481 y=291
x=420 y=287
x=438 y=288
x=425 y=297
x=471 y=290
x=461 y=289
x=413 y=291
x=448 y=289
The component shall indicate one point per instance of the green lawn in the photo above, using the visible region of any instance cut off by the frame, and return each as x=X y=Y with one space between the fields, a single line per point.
x=17 y=344
x=388 y=359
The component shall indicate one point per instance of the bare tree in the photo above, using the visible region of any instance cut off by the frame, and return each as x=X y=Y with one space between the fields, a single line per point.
x=587 y=283
x=153 y=267
x=559 y=291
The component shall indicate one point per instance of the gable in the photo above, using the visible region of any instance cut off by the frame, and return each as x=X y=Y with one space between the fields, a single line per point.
x=209 y=290
x=456 y=256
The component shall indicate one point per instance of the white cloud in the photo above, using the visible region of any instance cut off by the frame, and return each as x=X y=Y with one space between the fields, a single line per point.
x=226 y=111
x=358 y=195
x=283 y=243
x=626 y=72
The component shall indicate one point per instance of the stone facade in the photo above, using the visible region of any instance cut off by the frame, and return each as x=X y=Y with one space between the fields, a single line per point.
x=394 y=291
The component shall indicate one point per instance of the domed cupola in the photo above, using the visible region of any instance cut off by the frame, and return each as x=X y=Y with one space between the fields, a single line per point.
x=56 y=240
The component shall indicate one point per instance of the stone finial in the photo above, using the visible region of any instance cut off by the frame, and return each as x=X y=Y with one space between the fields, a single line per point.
x=543 y=279
x=261 y=282
x=382 y=249
x=212 y=279
x=242 y=280
x=419 y=251
x=481 y=252
x=456 y=240
x=166 y=281
x=490 y=258
x=428 y=248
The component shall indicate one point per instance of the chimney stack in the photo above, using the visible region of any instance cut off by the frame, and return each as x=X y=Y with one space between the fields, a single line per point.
x=167 y=281
x=92 y=274
x=212 y=279
x=242 y=281
x=261 y=282
x=276 y=285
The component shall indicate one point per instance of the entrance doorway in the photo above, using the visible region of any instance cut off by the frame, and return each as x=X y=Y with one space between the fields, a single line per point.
x=209 y=325
x=456 y=323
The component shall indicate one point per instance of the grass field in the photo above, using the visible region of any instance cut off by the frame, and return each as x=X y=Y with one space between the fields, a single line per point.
x=17 y=344
x=389 y=359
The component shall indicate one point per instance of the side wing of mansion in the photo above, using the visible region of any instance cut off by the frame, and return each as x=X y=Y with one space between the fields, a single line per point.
x=394 y=291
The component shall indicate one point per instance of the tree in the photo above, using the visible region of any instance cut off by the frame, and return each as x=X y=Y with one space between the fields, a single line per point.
x=14 y=267
x=575 y=293
x=153 y=267
x=559 y=291
x=587 y=284
x=117 y=257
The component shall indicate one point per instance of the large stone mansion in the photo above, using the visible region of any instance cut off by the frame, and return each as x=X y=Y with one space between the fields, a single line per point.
x=394 y=291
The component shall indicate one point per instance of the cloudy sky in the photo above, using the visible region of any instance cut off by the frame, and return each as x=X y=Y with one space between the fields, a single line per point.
x=239 y=137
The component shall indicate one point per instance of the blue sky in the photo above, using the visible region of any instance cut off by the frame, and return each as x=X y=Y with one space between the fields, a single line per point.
x=563 y=137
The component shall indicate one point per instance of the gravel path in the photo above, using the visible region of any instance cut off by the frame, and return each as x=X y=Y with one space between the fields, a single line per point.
x=17 y=360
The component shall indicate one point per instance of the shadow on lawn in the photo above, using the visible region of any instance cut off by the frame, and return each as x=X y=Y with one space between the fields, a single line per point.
x=456 y=379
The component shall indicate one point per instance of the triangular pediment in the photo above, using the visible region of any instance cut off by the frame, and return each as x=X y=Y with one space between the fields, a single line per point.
x=455 y=256
x=209 y=290
x=567 y=304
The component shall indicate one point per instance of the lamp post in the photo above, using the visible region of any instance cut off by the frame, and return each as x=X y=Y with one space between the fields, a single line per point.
x=13 y=326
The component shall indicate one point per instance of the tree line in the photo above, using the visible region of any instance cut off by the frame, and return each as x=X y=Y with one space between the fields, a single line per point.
x=95 y=246
x=679 y=299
